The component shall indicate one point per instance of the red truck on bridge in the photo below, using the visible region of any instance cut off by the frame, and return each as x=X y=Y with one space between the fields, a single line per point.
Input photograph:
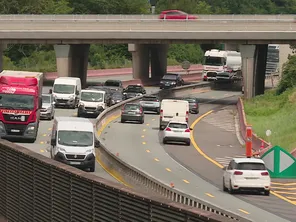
x=20 y=104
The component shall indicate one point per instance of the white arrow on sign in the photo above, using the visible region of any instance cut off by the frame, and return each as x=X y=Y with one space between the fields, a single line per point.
x=285 y=161
x=269 y=161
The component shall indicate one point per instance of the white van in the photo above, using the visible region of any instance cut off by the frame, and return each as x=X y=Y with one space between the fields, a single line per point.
x=172 y=109
x=92 y=103
x=66 y=91
x=73 y=142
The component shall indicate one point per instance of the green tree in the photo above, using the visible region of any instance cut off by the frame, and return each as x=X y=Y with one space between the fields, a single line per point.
x=288 y=79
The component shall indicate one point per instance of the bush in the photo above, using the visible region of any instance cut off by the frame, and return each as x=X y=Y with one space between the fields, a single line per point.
x=288 y=79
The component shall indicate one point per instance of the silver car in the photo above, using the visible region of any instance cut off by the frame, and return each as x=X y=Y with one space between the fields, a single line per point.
x=47 y=111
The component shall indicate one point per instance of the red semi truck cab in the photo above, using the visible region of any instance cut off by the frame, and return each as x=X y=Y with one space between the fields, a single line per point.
x=20 y=103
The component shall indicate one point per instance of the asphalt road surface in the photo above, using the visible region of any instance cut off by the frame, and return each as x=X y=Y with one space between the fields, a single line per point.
x=140 y=145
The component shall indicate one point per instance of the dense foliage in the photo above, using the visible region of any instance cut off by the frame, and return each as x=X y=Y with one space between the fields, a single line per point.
x=38 y=57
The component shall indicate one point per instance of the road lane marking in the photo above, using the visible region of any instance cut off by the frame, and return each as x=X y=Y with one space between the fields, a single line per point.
x=241 y=210
x=42 y=151
x=143 y=143
x=147 y=124
x=41 y=142
x=44 y=134
x=218 y=164
x=142 y=136
x=49 y=128
x=186 y=181
x=157 y=160
x=168 y=169
x=196 y=146
x=284 y=188
x=292 y=198
x=153 y=119
x=144 y=130
x=148 y=151
x=210 y=195
x=284 y=184
x=284 y=192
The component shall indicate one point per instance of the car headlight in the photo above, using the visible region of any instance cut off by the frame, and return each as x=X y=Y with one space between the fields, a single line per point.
x=124 y=93
x=81 y=104
x=173 y=83
x=62 y=150
x=31 y=128
x=89 y=151
x=48 y=108
x=72 y=97
x=139 y=94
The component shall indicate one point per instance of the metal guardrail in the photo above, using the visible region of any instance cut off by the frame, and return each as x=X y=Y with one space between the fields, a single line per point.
x=132 y=175
x=36 y=188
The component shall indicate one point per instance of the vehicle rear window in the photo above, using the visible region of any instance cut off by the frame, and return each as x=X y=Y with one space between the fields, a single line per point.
x=112 y=83
x=178 y=125
x=190 y=100
x=251 y=166
x=170 y=77
x=149 y=98
x=131 y=107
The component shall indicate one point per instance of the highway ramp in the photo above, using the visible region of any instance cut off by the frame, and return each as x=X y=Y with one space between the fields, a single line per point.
x=140 y=145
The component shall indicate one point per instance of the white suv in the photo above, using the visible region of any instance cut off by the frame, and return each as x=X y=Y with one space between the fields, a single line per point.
x=246 y=174
x=177 y=131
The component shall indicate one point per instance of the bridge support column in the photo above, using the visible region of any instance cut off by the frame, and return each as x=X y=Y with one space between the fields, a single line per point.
x=260 y=68
x=248 y=54
x=72 y=61
x=140 y=60
x=231 y=47
x=2 y=48
x=158 y=61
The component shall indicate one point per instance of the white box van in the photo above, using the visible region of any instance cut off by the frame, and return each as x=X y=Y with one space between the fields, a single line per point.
x=67 y=91
x=92 y=103
x=172 y=109
x=73 y=142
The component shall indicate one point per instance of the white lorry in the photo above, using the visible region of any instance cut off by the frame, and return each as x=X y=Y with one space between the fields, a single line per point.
x=173 y=109
x=220 y=61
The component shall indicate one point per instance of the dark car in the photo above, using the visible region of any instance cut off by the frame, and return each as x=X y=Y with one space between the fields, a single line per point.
x=108 y=91
x=132 y=112
x=132 y=91
x=170 y=80
x=116 y=97
x=193 y=105
x=114 y=85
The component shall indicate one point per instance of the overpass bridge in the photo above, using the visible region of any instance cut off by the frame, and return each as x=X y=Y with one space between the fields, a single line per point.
x=149 y=37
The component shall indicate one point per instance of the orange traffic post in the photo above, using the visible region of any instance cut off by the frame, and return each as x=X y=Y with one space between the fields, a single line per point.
x=249 y=142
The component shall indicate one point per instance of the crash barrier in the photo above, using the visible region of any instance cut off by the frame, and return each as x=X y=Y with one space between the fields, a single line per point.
x=260 y=146
x=37 y=188
x=132 y=176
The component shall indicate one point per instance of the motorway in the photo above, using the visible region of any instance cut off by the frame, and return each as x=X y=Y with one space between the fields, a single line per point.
x=173 y=163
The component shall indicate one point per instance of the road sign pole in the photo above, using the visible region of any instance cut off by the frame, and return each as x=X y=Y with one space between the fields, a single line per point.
x=249 y=142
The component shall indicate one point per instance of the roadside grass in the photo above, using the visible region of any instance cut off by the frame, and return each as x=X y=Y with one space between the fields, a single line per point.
x=276 y=113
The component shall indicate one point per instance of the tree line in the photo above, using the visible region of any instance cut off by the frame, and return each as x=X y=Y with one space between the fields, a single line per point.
x=42 y=57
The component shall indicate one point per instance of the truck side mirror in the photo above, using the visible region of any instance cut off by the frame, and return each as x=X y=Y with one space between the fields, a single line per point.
x=53 y=142
x=77 y=93
x=97 y=143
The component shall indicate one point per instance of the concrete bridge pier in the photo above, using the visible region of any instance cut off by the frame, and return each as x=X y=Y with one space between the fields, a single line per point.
x=158 y=58
x=72 y=61
x=260 y=68
x=231 y=47
x=248 y=59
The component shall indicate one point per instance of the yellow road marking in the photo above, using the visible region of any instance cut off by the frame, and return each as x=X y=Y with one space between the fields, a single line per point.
x=241 y=210
x=292 y=198
x=44 y=134
x=142 y=136
x=144 y=130
x=284 y=192
x=196 y=146
x=143 y=143
x=41 y=142
x=148 y=151
x=284 y=188
x=153 y=119
x=147 y=124
x=221 y=166
x=49 y=128
x=168 y=169
x=156 y=159
x=284 y=184
x=185 y=181
x=210 y=195
x=42 y=151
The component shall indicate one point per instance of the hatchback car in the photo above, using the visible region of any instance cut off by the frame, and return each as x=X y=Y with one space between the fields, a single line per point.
x=176 y=15
x=150 y=103
x=177 y=132
x=246 y=174
x=132 y=112
x=132 y=91
x=171 y=80
x=193 y=105
x=116 y=97
x=47 y=111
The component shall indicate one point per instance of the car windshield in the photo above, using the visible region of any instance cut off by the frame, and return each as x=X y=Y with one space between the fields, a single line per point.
x=213 y=61
x=112 y=83
x=16 y=101
x=251 y=166
x=178 y=125
x=45 y=99
x=117 y=96
x=169 y=77
x=75 y=138
x=134 y=89
x=92 y=96
x=63 y=89
x=190 y=100
x=149 y=98
x=130 y=107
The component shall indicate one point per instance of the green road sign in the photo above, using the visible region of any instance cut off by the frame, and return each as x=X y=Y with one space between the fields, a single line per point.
x=280 y=163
